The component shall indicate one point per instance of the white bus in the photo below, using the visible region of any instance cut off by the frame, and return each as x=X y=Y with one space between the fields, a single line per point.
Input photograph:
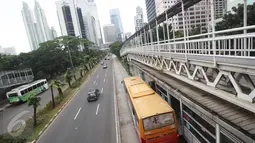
x=22 y=93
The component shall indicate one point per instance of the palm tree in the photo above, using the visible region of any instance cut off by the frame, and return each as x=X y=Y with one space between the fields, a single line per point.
x=52 y=96
x=68 y=76
x=35 y=102
x=57 y=84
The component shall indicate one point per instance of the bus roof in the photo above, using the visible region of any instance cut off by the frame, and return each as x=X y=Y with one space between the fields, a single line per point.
x=137 y=87
x=151 y=105
x=145 y=100
x=27 y=85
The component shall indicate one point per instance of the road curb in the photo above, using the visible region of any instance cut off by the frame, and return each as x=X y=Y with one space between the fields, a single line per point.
x=116 y=110
x=5 y=106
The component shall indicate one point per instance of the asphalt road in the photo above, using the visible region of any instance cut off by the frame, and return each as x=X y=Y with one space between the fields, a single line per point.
x=87 y=122
x=9 y=113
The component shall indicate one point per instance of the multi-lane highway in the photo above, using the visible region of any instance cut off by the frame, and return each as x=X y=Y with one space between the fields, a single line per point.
x=87 y=122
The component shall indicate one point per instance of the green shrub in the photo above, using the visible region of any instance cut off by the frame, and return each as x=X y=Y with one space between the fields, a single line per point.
x=41 y=118
x=9 y=139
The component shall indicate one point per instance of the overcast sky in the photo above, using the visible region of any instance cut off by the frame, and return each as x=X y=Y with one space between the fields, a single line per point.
x=12 y=30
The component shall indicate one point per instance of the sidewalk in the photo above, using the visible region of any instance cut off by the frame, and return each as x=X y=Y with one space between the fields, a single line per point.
x=127 y=129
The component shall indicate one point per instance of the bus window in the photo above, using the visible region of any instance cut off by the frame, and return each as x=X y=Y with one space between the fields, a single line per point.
x=30 y=89
x=22 y=92
x=158 y=121
x=34 y=87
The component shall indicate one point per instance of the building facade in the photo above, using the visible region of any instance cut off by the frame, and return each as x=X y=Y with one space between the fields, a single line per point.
x=37 y=29
x=150 y=9
x=116 y=20
x=42 y=24
x=195 y=16
x=68 y=18
x=221 y=7
x=53 y=33
x=110 y=33
x=84 y=19
x=138 y=19
x=30 y=26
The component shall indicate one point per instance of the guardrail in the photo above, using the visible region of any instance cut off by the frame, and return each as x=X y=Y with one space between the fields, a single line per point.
x=231 y=42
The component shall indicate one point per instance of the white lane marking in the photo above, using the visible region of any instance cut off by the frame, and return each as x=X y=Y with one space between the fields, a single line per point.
x=97 y=76
x=102 y=90
x=94 y=82
x=104 y=80
x=77 y=114
x=76 y=128
x=97 y=108
x=105 y=75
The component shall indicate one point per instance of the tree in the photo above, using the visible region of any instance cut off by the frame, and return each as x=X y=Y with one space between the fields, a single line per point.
x=57 y=84
x=52 y=96
x=68 y=76
x=35 y=102
x=115 y=48
x=51 y=59
x=195 y=30
x=235 y=19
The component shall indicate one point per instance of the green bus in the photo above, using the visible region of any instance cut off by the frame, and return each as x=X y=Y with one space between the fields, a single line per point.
x=22 y=93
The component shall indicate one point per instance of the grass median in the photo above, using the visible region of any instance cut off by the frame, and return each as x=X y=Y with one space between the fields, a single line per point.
x=44 y=115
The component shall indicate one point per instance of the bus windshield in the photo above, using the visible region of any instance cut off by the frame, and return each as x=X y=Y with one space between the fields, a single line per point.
x=12 y=94
x=158 y=121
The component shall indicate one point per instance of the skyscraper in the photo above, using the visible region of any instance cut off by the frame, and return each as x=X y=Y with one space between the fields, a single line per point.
x=53 y=33
x=83 y=16
x=109 y=33
x=42 y=24
x=37 y=29
x=150 y=9
x=116 y=20
x=68 y=18
x=30 y=27
x=139 y=22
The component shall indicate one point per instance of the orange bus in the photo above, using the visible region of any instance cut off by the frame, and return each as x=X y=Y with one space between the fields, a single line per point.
x=154 y=120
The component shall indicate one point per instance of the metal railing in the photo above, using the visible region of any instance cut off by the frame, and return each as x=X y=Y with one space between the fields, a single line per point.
x=231 y=42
